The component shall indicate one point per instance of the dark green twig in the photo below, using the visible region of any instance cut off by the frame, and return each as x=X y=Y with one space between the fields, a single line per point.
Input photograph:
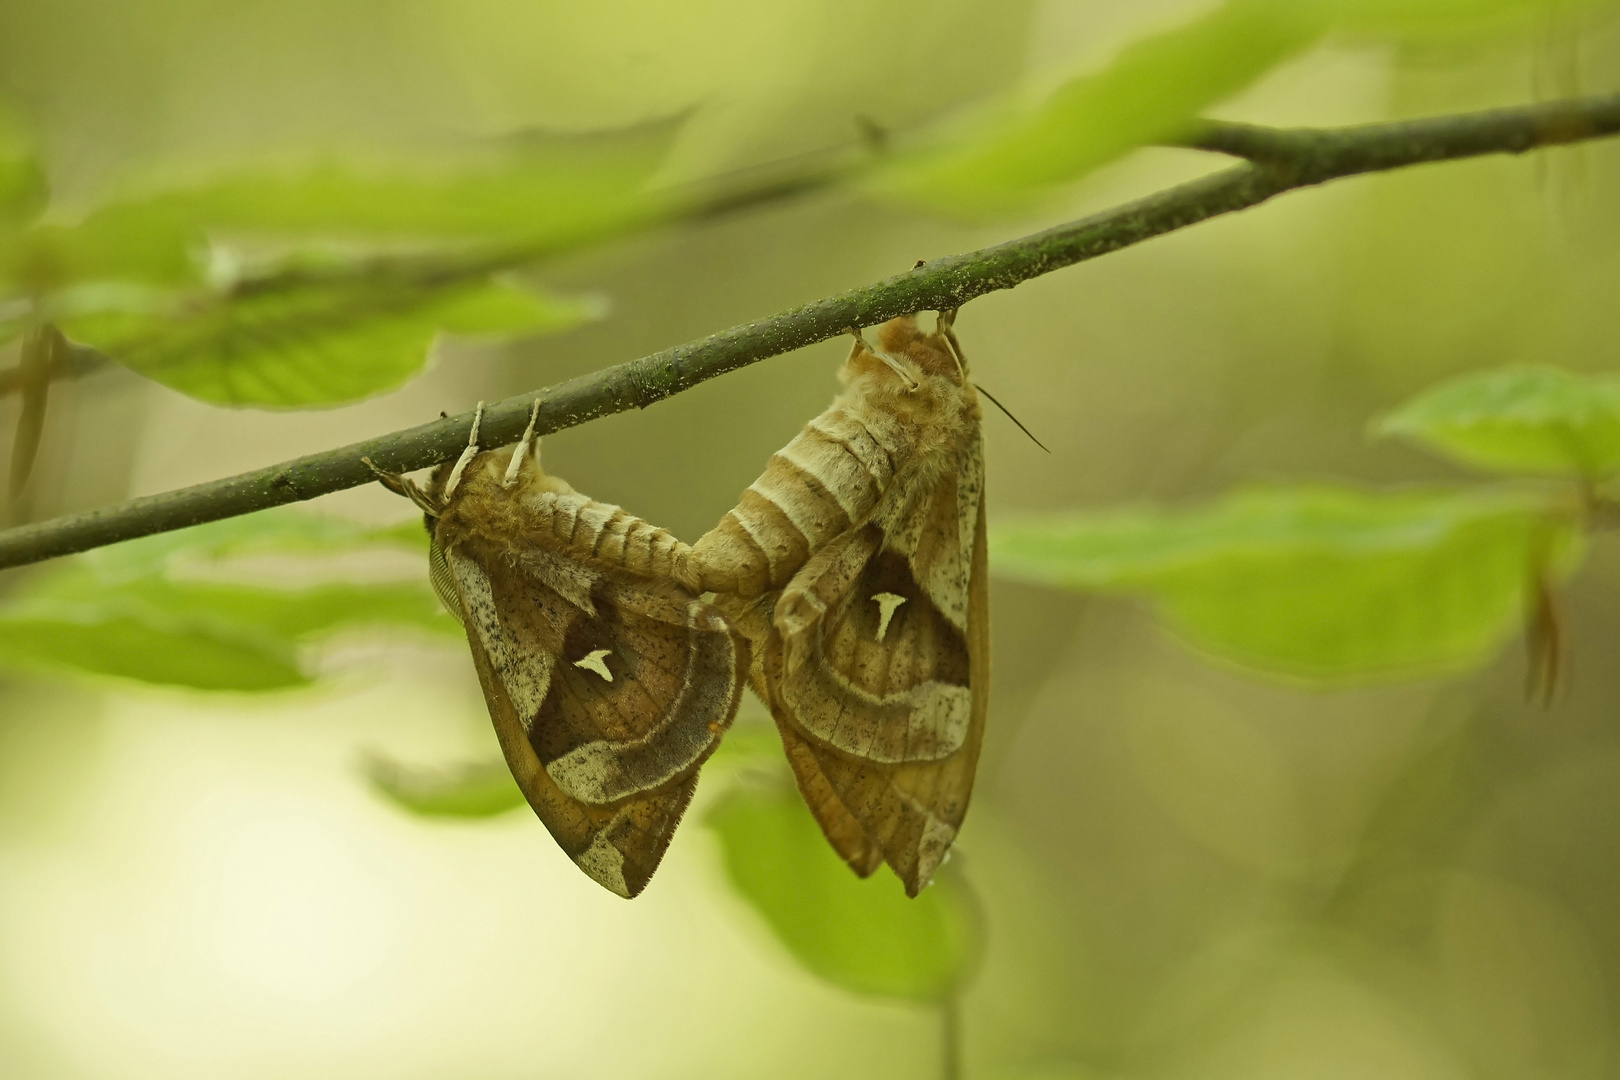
x=1279 y=161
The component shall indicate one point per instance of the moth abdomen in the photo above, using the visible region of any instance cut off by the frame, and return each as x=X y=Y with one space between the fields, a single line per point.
x=610 y=536
x=814 y=489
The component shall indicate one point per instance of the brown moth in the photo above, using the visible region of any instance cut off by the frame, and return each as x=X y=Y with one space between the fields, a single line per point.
x=609 y=683
x=856 y=565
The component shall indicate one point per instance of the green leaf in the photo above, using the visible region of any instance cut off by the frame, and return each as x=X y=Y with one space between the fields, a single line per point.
x=311 y=344
x=282 y=530
x=1005 y=157
x=472 y=790
x=23 y=187
x=122 y=642
x=130 y=611
x=541 y=191
x=300 y=615
x=1013 y=152
x=537 y=194
x=1518 y=420
x=864 y=936
x=147 y=245
x=1317 y=583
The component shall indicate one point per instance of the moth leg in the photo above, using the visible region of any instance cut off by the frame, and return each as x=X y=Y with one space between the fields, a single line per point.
x=400 y=484
x=947 y=330
x=515 y=466
x=466 y=455
x=893 y=362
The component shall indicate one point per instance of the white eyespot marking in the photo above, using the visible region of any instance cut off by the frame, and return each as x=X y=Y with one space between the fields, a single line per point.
x=886 y=602
x=595 y=661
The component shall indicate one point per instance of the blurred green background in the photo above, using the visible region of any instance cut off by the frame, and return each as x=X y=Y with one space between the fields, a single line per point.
x=1180 y=867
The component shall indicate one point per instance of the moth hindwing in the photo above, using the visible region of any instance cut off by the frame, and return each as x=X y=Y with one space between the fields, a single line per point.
x=856 y=565
x=609 y=683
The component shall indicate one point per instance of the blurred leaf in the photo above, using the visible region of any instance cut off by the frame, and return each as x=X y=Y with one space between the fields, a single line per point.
x=125 y=641
x=1429 y=19
x=1318 y=583
x=1004 y=158
x=537 y=190
x=311 y=344
x=300 y=614
x=537 y=193
x=1007 y=155
x=150 y=245
x=864 y=936
x=23 y=188
x=123 y=612
x=473 y=790
x=750 y=741
x=281 y=530
x=1519 y=420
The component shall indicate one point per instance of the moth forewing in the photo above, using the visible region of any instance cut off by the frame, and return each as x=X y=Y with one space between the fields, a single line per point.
x=609 y=683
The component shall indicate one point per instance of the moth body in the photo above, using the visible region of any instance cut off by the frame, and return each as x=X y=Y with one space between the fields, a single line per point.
x=855 y=565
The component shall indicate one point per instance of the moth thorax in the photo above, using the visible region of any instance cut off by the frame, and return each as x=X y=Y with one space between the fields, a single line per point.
x=530 y=478
x=930 y=352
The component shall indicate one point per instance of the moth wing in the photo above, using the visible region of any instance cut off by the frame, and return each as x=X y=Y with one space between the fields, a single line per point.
x=617 y=846
x=607 y=691
x=882 y=708
x=876 y=657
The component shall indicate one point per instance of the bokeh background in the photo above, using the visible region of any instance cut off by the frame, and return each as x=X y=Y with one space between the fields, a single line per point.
x=1185 y=869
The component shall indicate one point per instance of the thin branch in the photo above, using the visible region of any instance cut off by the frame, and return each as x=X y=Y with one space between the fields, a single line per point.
x=1280 y=161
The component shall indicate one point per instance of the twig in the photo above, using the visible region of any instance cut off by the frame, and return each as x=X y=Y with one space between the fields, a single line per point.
x=1279 y=161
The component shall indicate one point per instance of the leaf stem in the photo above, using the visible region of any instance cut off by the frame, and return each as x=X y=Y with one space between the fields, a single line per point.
x=1278 y=161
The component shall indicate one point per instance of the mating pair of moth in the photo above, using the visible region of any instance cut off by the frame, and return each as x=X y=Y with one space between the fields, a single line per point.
x=848 y=589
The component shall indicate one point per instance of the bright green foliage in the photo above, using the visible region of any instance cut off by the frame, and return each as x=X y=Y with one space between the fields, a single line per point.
x=1519 y=420
x=1318 y=583
x=473 y=790
x=864 y=936
x=133 y=611
x=307 y=344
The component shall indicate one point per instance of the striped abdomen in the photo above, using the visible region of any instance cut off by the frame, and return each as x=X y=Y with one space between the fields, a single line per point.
x=604 y=533
x=829 y=477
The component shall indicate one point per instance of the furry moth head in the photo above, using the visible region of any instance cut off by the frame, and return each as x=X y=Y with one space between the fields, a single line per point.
x=609 y=683
x=856 y=565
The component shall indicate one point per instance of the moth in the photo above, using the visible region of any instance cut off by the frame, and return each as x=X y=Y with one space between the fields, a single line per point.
x=608 y=682
x=856 y=566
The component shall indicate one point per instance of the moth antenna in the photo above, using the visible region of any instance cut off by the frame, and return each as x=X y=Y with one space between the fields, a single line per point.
x=1011 y=417
x=466 y=455
x=404 y=485
x=516 y=464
